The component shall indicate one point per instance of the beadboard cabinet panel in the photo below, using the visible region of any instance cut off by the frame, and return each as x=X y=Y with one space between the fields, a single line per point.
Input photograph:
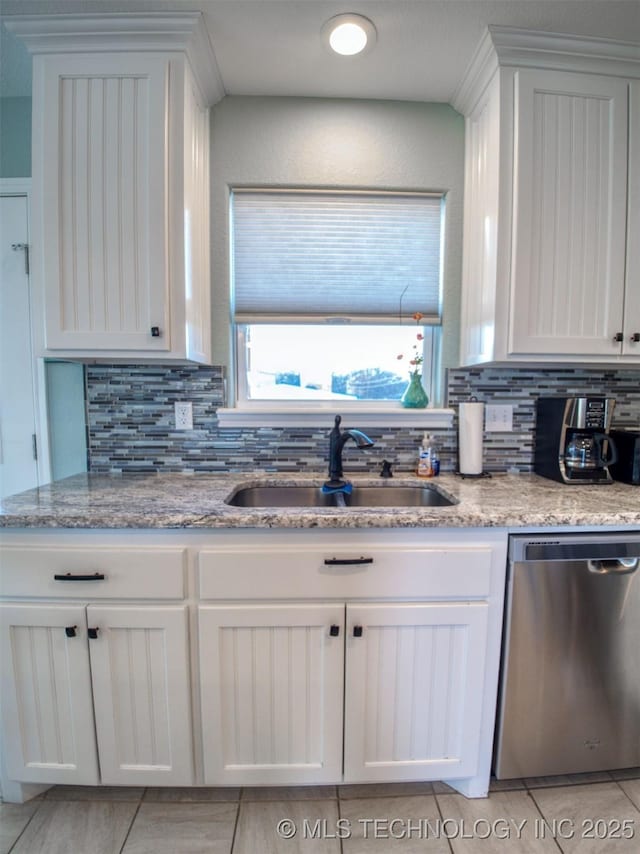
x=631 y=345
x=120 y=185
x=570 y=202
x=140 y=670
x=46 y=698
x=272 y=692
x=550 y=253
x=414 y=674
x=106 y=155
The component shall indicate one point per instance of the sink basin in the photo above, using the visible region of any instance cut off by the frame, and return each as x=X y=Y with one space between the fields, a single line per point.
x=386 y=495
x=397 y=496
x=281 y=496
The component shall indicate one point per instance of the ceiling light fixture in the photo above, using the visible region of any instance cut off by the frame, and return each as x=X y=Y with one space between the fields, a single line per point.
x=349 y=34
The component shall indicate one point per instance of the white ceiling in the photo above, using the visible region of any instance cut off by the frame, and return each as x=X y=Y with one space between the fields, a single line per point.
x=273 y=47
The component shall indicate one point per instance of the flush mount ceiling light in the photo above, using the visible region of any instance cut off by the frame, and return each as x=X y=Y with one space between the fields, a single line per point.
x=349 y=34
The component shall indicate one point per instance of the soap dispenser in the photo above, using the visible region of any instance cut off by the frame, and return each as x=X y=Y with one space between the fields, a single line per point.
x=425 y=468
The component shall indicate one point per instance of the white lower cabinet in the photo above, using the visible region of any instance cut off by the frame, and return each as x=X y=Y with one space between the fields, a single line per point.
x=414 y=680
x=261 y=657
x=96 y=693
x=271 y=680
x=46 y=695
x=274 y=708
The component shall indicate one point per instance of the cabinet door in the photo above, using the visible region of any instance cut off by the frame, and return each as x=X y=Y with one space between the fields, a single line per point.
x=570 y=197
x=272 y=693
x=140 y=670
x=631 y=346
x=414 y=682
x=47 y=711
x=100 y=163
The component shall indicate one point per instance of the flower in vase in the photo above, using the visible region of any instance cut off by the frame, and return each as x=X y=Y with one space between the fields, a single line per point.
x=416 y=357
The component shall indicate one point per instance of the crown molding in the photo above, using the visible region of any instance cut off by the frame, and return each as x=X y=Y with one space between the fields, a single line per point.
x=524 y=48
x=183 y=32
x=479 y=73
x=517 y=48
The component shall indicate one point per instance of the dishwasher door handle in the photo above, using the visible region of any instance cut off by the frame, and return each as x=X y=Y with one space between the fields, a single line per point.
x=618 y=566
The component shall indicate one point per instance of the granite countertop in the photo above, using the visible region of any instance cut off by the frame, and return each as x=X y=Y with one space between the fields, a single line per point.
x=197 y=501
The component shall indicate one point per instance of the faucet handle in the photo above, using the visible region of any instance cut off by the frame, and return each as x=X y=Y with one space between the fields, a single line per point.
x=386 y=469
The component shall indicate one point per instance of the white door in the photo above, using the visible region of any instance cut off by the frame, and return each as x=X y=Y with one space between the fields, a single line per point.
x=413 y=697
x=47 y=712
x=272 y=693
x=18 y=464
x=570 y=210
x=141 y=691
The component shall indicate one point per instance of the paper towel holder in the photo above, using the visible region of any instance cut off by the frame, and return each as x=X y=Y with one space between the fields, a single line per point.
x=472 y=469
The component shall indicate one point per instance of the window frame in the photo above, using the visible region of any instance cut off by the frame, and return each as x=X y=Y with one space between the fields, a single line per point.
x=243 y=411
x=431 y=351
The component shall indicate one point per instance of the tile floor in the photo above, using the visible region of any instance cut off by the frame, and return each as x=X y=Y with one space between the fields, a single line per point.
x=582 y=814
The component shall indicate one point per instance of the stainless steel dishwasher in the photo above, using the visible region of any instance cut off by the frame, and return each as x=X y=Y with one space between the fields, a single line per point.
x=570 y=682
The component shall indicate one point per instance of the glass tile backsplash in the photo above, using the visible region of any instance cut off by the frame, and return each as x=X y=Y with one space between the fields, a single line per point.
x=130 y=414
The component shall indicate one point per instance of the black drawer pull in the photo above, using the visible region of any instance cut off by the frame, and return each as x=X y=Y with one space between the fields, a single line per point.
x=357 y=631
x=351 y=561
x=96 y=576
x=155 y=332
x=93 y=633
x=334 y=631
x=70 y=631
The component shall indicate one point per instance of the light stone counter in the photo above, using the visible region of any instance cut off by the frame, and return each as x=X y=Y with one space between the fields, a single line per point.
x=198 y=501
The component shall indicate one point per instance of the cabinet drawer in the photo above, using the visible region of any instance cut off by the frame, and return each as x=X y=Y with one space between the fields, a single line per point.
x=95 y=573
x=456 y=571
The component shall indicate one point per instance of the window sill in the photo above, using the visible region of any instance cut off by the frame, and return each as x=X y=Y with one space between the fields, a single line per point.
x=363 y=416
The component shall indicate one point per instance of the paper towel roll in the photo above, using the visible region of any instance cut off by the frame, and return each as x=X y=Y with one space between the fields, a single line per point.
x=470 y=429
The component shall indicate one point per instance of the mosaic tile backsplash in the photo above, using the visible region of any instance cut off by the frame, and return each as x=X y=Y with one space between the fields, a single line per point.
x=130 y=412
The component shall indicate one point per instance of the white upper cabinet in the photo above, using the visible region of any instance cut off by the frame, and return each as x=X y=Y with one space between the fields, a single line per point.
x=550 y=262
x=120 y=185
x=570 y=192
x=631 y=345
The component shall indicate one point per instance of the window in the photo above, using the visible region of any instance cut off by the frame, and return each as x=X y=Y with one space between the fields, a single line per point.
x=325 y=287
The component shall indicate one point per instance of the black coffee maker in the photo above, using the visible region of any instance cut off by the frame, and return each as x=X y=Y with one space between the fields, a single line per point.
x=573 y=444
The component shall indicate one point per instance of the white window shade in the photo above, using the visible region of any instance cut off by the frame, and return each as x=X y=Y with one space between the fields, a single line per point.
x=321 y=256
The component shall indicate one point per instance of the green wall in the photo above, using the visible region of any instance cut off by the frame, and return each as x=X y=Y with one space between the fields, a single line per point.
x=15 y=137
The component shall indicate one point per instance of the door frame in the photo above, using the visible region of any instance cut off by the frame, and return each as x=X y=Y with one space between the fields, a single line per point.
x=22 y=187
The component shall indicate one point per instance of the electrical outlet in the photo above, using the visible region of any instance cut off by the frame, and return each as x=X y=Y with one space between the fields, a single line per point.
x=498 y=419
x=184 y=416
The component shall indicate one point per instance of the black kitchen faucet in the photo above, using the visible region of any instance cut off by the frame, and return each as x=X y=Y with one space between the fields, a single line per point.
x=337 y=441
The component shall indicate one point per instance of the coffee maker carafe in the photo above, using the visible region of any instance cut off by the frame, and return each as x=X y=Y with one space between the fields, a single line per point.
x=572 y=439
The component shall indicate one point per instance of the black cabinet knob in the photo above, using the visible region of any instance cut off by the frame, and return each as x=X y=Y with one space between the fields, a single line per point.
x=93 y=633
x=619 y=336
x=636 y=337
x=334 y=631
x=155 y=331
x=70 y=631
x=357 y=631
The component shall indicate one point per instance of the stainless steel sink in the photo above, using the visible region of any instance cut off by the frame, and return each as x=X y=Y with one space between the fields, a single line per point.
x=387 y=495
x=280 y=496
x=397 y=496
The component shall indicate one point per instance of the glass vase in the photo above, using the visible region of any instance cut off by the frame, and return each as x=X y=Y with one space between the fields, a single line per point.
x=414 y=397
